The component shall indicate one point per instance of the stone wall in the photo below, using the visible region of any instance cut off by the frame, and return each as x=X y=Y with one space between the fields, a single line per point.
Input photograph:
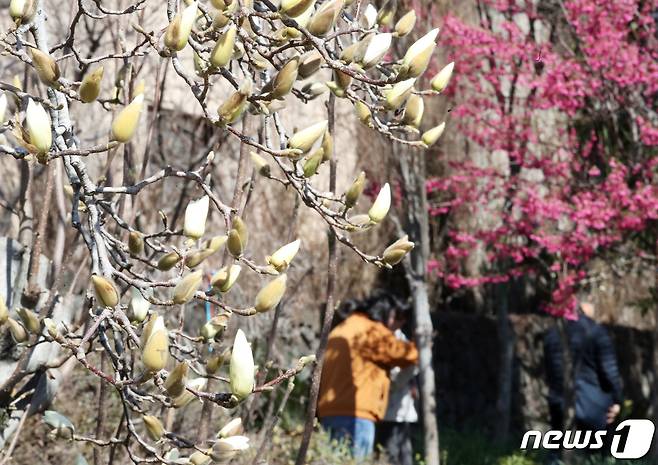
x=466 y=350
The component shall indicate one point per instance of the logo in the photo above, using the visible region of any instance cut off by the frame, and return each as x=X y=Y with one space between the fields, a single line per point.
x=630 y=440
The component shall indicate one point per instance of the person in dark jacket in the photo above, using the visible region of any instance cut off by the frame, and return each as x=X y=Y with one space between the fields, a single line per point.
x=596 y=381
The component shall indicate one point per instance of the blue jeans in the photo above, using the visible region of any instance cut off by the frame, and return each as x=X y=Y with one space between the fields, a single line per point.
x=359 y=431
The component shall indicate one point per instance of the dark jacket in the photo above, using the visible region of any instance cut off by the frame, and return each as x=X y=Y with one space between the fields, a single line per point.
x=596 y=381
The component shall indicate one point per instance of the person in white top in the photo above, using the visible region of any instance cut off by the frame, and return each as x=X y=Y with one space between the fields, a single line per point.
x=394 y=432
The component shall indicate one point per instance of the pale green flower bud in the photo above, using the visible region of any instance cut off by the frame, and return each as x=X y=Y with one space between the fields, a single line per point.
x=432 y=135
x=381 y=205
x=187 y=287
x=442 y=78
x=271 y=294
x=242 y=369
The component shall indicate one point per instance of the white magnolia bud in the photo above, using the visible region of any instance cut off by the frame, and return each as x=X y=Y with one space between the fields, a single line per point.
x=242 y=368
x=442 y=78
x=37 y=125
x=381 y=205
x=282 y=258
x=232 y=428
x=225 y=449
x=369 y=18
x=155 y=352
x=396 y=96
x=195 y=217
x=138 y=306
x=376 y=49
x=430 y=136
x=418 y=56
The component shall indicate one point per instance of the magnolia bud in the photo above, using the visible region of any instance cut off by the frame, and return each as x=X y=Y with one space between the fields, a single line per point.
x=45 y=66
x=215 y=363
x=284 y=80
x=325 y=18
x=270 y=295
x=413 y=111
x=179 y=29
x=355 y=190
x=327 y=147
x=219 y=20
x=216 y=243
x=348 y=53
x=224 y=279
x=309 y=64
x=335 y=89
x=231 y=110
x=369 y=18
x=196 y=257
x=363 y=113
x=125 y=124
x=4 y=312
x=387 y=12
x=186 y=397
x=442 y=78
x=135 y=242
x=220 y=4
x=38 y=127
x=225 y=449
x=51 y=327
x=22 y=11
x=377 y=46
x=304 y=139
x=282 y=258
x=30 y=320
x=294 y=8
x=223 y=51
x=17 y=331
x=177 y=379
x=432 y=135
x=395 y=252
x=232 y=428
x=234 y=243
x=106 y=294
x=260 y=165
x=405 y=24
x=381 y=205
x=138 y=306
x=186 y=287
x=214 y=327
x=155 y=350
x=199 y=458
x=195 y=217
x=153 y=427
x=241 y=227
x=313 y=163
x=168 y=261
x=418 y=56
x=91 y=85
x=396 y=96
x=241 y=369
x=314 y=89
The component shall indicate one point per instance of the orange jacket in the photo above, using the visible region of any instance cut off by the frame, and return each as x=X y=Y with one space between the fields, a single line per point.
x=355 y=379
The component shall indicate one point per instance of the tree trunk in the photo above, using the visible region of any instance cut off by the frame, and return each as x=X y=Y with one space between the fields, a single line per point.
x=506 y=364
x=412 y=168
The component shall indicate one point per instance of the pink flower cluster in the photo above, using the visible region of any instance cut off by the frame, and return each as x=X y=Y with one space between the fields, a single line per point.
x=564 y=102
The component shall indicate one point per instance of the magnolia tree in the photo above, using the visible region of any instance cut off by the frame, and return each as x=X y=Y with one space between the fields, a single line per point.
x=268 y=55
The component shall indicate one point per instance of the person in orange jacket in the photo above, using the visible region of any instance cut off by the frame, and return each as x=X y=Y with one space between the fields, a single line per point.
x=355 y=379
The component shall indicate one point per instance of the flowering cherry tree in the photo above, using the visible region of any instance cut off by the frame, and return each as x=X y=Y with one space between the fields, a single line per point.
x=561 y=97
